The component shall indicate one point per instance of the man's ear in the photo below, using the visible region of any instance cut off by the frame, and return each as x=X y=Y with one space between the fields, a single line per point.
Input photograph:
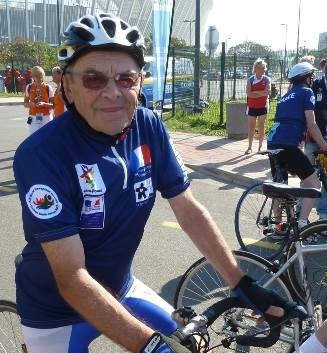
x=66 y=83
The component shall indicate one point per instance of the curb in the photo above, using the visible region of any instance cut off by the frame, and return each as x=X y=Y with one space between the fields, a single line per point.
x=227 y=176
x=3 y=104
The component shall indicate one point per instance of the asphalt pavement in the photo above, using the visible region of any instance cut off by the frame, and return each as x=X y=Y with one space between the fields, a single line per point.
x=220 y=156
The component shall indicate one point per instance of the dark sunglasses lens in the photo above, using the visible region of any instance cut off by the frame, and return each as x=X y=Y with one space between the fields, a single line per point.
x=95 y=81
x=127 y=80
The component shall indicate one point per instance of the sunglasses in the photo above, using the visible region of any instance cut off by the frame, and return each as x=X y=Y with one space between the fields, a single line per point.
x=97 y=80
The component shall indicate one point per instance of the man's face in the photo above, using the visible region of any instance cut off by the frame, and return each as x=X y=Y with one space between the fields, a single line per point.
x=56 y=77
x=111 y=108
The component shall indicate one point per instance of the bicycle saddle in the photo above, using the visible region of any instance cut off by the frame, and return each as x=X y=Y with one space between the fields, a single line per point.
x=284 y=191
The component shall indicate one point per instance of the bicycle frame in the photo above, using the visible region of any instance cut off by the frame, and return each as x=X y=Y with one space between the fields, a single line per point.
x=300 y=250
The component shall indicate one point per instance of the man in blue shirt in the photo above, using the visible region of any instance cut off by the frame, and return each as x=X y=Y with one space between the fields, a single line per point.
x=294 y=116
x=87 y=183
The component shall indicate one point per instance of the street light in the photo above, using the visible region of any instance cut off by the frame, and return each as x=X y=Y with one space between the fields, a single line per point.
x=298 y=32
x=35 y=28
x=190 y=22
x=285 y=50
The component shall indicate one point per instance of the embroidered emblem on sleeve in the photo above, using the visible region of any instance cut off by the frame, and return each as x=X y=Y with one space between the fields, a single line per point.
x=43 y=202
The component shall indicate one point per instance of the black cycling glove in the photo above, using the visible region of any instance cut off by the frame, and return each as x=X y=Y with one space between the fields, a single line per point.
x=259 y=298
x=159 y=343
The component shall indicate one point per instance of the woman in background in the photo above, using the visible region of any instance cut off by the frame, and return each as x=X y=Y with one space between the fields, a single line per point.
x=257 y=90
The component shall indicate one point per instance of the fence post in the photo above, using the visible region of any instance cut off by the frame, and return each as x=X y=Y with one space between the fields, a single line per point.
x=234 y=76
x=222 y=83
x=173 y=83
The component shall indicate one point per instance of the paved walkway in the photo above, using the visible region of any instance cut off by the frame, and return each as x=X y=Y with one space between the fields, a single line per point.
x=218 y=155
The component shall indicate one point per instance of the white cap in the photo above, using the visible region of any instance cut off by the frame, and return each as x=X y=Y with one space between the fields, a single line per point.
x=301 y=69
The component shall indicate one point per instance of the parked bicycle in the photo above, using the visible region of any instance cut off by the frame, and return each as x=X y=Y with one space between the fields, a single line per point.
x=262 y=223
x=302 y=278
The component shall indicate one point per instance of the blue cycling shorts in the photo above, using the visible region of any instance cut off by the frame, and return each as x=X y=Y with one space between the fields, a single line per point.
x=140 y=300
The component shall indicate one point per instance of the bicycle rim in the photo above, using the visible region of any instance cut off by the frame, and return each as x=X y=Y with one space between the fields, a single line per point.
x=255 y=224
x=11 y=338
x=201 y=286
x=316 y=265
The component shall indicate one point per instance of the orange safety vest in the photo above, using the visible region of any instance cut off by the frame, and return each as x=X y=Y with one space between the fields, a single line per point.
x=36 y=95
x=59 y=105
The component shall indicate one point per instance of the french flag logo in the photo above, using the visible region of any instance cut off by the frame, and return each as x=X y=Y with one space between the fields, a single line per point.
x=140 y=157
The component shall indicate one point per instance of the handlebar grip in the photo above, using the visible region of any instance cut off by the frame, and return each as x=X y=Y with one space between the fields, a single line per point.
x=214 y=311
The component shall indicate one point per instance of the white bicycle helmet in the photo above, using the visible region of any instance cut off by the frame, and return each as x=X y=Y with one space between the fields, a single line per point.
x=301 y=69
x=101 y=31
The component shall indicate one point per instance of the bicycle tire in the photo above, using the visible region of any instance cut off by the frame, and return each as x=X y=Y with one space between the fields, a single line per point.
x=201 y=286
x=11 y=337
x=255 y=223
x=316 y=265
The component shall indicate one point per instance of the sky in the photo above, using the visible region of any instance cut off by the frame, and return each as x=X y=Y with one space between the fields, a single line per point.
x=260 y=21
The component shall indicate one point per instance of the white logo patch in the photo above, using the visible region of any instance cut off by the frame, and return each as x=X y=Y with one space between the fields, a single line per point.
x=143 y=190
x=90 y=179
x=43 y=202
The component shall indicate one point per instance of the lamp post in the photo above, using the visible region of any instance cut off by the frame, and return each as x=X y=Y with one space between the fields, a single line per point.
x=190 y=22
x=35 y=28
x=285 y=49
x=298 y=32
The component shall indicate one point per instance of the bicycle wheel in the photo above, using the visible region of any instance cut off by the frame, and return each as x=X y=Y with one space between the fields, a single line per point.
x=201 y=286
x=11 y=337
x=316 y=265
x=255 y=224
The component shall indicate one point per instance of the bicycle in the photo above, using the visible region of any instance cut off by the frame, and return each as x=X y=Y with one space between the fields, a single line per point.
x=261 y=229
x=300 y=278
x=11 y=338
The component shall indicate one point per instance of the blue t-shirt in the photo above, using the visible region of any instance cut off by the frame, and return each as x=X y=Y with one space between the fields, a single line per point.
x=72 y=181
x=290 y=122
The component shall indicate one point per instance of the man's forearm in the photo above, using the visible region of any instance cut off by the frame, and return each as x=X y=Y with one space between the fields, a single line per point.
x=104 y=312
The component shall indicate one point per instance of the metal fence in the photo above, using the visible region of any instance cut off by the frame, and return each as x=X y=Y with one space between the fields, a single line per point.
x=223 y=78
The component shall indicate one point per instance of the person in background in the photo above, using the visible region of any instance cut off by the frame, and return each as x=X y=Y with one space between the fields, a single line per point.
x=39 y=100
x=257 y=90
x=28 y=76
x=319 y=88
x=294 y=116
x=8 y=74
x=58 y=102
x=87 y=184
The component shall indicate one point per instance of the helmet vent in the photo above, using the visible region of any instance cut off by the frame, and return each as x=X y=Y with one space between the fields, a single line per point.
x=123 y=25
x=133 y=36
x=63 y=53
x=87 y=22
x=83 y=34
x=110 y=27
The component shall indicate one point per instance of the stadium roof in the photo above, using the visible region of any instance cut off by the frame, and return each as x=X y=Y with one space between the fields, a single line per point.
x=38 y=19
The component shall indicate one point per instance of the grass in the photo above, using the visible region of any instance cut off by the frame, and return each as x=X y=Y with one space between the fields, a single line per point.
x=207 y=123
x=7 y=95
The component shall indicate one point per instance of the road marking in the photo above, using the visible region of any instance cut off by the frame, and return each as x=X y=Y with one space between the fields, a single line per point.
x=171 y=224
x=8 y=189
x=18 y=119
x=261 y=243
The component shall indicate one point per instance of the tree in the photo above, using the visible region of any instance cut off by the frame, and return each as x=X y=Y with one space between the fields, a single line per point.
x=251 y=49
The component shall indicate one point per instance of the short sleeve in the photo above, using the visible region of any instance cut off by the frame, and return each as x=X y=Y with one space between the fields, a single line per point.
x=309 y=101
x=172 y=175
x=47 y=198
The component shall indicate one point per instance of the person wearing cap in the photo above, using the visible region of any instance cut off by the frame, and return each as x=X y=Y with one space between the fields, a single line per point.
x=294 y=116
x=87 y=183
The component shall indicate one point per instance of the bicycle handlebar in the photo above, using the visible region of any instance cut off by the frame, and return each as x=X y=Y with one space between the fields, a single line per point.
x=200 y=323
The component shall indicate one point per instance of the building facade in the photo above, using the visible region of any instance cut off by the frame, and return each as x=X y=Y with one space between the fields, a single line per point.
x=322 y=43
x=45 y=20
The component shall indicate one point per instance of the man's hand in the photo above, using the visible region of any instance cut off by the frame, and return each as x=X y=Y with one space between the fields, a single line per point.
x=261 y=299
x=159 y=343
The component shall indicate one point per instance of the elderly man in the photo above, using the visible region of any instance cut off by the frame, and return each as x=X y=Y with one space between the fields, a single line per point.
x=87 y=184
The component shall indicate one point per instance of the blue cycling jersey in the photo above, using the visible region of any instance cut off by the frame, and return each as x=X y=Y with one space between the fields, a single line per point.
x=290 y=122
x=72 y=181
